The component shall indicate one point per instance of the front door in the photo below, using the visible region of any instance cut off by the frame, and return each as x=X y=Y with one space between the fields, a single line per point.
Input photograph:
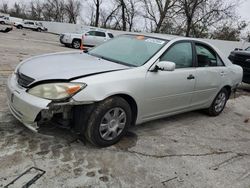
x=89 y=38
x=167 y=92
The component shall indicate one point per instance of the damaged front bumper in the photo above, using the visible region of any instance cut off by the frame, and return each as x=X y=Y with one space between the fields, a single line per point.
x=33 y=111
x=24 y=106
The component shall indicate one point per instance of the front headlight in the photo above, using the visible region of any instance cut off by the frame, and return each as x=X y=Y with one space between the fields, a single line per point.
x=56 y=91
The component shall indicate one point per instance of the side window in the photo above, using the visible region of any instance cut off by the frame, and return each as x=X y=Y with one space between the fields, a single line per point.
x=181 y=54
x=219 y=62
x=31 y=23
x=100 y=34
x=111 y=35
x=207 y=57
x=91 y=33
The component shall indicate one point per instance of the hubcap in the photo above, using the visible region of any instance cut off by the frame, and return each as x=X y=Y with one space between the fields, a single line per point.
x=220 y=102
x=112 y=123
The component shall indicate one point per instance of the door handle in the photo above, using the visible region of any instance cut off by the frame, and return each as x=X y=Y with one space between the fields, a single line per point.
x=190 y=77
x=222 y=73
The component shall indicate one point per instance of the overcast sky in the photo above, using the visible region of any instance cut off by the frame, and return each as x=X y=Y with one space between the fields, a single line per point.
x=243 y=10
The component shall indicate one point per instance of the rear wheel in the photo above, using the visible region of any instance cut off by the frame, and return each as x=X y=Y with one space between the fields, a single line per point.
x=108 y=122
x=219 y=103
x=39 y=29
x=76 y=44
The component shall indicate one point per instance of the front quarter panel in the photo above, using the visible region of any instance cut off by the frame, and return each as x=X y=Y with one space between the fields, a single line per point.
x=102 y=86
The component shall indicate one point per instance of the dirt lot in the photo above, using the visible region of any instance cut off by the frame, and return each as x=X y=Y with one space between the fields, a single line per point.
x=187 y=150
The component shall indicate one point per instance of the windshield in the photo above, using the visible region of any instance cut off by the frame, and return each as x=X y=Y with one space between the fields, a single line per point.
x=132 y=50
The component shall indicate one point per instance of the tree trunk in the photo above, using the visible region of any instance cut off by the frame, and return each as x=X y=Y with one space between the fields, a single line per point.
x=189 y=22
x=97 y=13
x=124 y=26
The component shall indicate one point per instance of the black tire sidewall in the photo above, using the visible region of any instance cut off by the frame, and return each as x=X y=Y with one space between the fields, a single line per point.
x=92 y=132
x=212 y=110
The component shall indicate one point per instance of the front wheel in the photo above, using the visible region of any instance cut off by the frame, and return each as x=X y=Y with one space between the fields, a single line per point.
x=219 y=103
x=108 y=122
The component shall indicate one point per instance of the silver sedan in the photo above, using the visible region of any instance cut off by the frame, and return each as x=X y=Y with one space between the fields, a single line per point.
x=129 y=80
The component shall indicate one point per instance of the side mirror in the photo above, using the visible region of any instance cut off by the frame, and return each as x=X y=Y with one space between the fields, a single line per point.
x=164 y=66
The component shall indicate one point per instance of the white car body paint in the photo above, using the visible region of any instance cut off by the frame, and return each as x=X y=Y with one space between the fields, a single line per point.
x=157 y=94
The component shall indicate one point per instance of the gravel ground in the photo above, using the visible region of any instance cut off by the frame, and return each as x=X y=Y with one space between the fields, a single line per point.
x=187 y=150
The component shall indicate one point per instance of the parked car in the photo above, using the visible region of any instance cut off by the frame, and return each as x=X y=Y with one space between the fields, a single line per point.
x=90 y=38
x=5 y=20
x=128 y=80
x=35 y=26
x=242 y=58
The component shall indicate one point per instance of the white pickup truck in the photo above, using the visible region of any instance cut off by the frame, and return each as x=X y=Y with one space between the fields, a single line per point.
x=5 y=20
x=90 y=38
x=35 y=26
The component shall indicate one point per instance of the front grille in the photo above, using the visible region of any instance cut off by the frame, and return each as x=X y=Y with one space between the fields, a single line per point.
x=24 y=80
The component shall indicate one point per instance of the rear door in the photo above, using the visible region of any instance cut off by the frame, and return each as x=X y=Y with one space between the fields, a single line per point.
x=32 y=25
x=100 y=37
x=210 y=74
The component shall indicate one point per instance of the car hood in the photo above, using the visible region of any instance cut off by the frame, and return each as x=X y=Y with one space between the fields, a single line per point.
x=65 y=66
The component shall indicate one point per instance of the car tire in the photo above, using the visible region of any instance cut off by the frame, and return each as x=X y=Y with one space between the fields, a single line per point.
x=108 y=122
x=218 y=103
x=39 y=29
x=19 y=27
x=2 y=22
x=76 y=44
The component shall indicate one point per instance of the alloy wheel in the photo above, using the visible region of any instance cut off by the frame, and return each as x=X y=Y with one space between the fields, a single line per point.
x=220 y=102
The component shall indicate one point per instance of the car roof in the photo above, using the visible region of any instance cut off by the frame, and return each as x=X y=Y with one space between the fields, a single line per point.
x=160 y=36
x=170 y=37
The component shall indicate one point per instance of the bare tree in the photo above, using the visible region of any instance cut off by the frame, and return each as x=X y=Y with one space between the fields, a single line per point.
x=97 y=11
x=54 y=10
x=18 y=10
x=131 y=12
x=228 y=31
x=5 y=7
x=108 y=16
x=200 y=14
x=36 y=10
x=122 y=5
x=159 y=10
x=73 y=8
